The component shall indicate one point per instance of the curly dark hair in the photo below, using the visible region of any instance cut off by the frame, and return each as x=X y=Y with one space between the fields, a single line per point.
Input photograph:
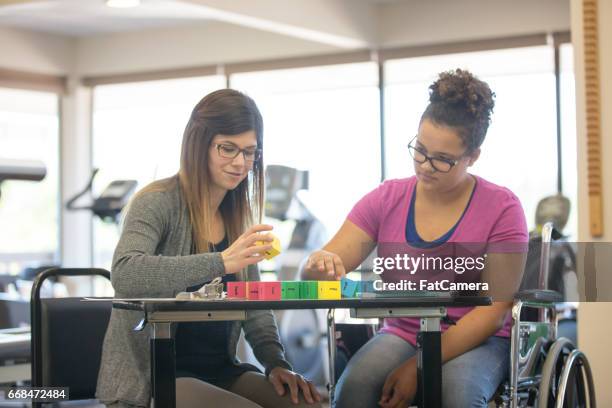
x=459 y=100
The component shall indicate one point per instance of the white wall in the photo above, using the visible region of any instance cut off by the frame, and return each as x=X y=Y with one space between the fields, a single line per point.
x=594 y=328
x=75 y=170
x=417 y=22
x=36 y=52
x=167 y=48
x=345 y=23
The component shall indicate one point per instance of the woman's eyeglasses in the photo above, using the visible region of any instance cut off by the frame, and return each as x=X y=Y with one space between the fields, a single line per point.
x=229 y=151
x=441 y=164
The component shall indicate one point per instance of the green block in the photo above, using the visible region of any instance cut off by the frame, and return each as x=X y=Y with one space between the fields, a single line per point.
x=309 y=290
x=290 y=290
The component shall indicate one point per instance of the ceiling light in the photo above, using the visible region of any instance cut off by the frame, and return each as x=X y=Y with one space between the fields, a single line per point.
x=122 y=3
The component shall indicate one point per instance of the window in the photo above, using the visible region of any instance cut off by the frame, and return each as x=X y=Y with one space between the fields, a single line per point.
x=324 y=120
x=520 y=150
x=29 y=216
x=137 y=134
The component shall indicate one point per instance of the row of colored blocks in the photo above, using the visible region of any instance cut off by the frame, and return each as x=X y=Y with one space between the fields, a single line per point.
x=327 y=290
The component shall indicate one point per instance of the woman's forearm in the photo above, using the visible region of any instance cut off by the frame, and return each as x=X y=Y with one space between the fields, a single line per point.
x=473 y=329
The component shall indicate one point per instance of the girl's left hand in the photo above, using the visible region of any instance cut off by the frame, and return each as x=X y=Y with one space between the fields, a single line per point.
x=280 y=376
x=401 y=386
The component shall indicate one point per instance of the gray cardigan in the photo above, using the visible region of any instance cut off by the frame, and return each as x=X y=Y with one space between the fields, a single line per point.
x=154 y=259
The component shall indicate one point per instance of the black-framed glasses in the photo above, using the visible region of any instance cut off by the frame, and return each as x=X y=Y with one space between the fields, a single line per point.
x=441 y=164
x=230 y=151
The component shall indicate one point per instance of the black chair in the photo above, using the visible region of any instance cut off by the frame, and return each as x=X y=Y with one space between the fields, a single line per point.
x=67 y=336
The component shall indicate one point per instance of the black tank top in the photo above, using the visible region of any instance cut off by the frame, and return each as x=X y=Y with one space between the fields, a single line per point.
x=202 y=347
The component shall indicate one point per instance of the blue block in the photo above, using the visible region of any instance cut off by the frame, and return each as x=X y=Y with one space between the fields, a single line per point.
x=349 y=287
x=367 y=287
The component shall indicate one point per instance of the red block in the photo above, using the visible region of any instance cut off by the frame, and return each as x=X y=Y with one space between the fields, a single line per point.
x=236 y=290
x=253 y=290
x=270 y=291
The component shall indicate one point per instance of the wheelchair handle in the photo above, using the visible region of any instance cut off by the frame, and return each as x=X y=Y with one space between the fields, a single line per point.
x=548 y=234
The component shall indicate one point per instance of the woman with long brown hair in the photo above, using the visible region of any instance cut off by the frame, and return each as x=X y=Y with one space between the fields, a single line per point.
x=182 y=232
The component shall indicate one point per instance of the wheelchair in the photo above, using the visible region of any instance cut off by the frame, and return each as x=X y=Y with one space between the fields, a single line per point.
x=545 y=370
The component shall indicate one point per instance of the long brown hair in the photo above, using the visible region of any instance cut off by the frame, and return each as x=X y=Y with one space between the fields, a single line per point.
x=226 y=112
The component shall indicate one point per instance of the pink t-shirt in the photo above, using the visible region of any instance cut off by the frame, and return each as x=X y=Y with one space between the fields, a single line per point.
x=494 y=218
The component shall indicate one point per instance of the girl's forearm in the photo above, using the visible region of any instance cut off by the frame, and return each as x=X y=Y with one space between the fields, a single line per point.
x=473 y=329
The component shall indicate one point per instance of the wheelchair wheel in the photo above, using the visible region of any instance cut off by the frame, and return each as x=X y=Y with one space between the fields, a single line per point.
x=576 y=387
x=551 y=372
x=566 y=378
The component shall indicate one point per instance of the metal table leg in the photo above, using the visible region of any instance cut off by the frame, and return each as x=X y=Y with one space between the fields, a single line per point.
x=429 y=353
x=163 y=369
x=163 y=362
x=331 y=350
x=429 y=363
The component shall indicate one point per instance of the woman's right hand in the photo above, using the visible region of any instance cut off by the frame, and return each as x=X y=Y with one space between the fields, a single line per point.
x=325 y=264
x=244 y=251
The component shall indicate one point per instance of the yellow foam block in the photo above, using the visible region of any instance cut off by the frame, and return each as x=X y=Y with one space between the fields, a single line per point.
x=276 y=248
x=330 y=290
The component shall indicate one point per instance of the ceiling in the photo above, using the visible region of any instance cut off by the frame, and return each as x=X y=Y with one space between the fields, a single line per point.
x=79 y=18
x=92 y=17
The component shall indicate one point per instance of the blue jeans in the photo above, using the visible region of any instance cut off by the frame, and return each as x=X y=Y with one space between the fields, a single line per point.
x=469 y=380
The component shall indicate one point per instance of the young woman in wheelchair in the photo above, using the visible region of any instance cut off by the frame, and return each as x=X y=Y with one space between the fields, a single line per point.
x=182 y=232
x=441 y=204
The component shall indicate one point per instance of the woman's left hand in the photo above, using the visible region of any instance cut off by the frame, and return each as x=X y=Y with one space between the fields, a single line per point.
x=280 y=376
x=401 y=386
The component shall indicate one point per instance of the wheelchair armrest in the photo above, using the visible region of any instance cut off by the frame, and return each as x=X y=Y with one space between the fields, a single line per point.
x=539 y=296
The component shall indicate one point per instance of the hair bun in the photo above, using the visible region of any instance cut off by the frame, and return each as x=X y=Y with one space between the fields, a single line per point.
x=461 y=89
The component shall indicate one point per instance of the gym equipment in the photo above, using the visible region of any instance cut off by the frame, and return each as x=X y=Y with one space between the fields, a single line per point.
x=32 y=170
x=15 y=341
x=555 y=209
x=283 y=203
x=28 y=170
x=14 y=355
x=111 y=201
x=562 y=270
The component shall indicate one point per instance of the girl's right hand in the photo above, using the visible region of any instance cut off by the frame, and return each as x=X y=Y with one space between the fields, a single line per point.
x=325 y=264
x=244 y=251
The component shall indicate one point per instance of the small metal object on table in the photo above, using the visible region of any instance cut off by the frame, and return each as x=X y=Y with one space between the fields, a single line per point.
x=161 y=313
